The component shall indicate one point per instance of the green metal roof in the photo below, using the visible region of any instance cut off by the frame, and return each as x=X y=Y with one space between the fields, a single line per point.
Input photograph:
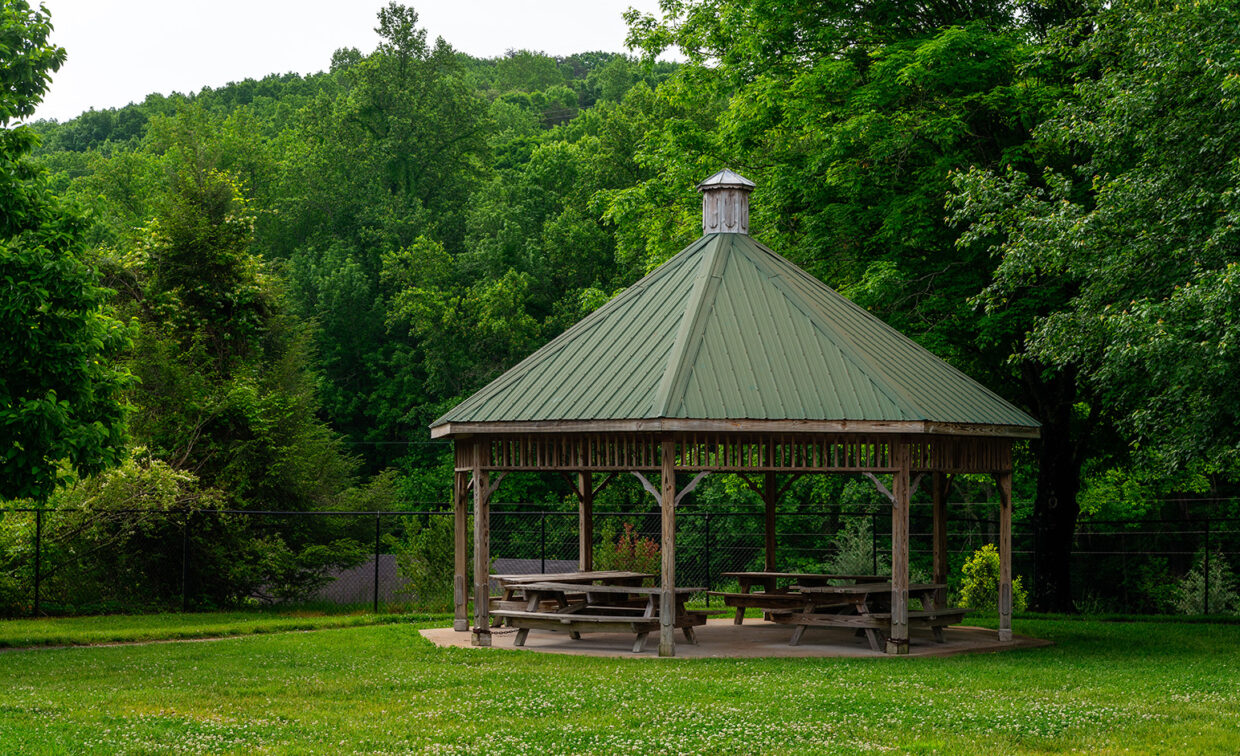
x=727 y=329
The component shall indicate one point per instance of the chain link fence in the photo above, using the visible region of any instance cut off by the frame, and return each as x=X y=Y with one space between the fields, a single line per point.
x=79 y=562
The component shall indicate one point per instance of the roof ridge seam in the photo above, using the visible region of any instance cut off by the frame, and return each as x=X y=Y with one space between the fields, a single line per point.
x=903 y=337
x=565 y=338
x=691 y=327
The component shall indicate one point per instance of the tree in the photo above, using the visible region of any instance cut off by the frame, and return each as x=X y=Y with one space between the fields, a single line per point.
x=853 y=119
x=1131 y=221
x=60 y=393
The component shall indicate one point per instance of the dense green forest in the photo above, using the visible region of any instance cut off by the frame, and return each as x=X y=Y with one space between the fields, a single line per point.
x=258 y=296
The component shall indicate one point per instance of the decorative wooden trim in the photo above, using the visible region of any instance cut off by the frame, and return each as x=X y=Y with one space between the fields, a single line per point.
x=793 y=478
x=646 y=484
x=912 y=489
x=741 y=453
x=494 y=484
x=689 y=487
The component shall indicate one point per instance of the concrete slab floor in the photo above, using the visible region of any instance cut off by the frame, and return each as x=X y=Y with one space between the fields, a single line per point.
x=720 y=639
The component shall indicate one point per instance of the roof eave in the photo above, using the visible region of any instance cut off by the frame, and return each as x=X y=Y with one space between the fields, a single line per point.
x=658 y=425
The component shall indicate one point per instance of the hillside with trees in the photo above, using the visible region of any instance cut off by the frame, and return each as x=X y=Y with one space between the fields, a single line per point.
x=258 y=296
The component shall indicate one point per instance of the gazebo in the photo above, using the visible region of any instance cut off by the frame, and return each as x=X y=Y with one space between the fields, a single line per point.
x=729 y=358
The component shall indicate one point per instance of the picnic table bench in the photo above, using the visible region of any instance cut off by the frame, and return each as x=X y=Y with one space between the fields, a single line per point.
x=864 y=606
x=576 y=607
x=773 y=597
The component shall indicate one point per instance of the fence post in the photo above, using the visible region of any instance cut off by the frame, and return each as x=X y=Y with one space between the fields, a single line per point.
x=1206 y=569
x=38 y=557
x=185 y=560
x=375 y=608
x=542 y=542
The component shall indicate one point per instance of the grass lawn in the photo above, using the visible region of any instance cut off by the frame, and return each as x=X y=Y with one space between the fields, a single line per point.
x=1103 y=688
x=123 y=628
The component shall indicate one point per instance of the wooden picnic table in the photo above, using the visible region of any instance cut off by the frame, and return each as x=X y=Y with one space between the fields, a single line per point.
x=773 y=596
x=865 y=607
x=510 y=585
x=575 y=608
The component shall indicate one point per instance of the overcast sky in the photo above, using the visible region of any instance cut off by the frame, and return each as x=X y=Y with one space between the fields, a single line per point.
x=122 y=50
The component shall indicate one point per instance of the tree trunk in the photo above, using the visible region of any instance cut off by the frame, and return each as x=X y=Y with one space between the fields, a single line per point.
x=1055 y=506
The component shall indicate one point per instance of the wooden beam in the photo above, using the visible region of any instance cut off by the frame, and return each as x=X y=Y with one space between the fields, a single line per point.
x=769 y=496
x=1004 y=479
x=585 y=521
x=689 y=488
x=460 y=516
x=646 y=484
x=897 y=639
x=882 y=489
x=667 y=599
x=793 y=478
x=891 y=497
x=606 y=482
x=481 y=633
x=748 y=481
x=494 y=484
x=688 y=425
x=939 y=494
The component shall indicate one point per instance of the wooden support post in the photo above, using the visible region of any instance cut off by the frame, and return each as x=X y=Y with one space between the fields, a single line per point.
x=897 y=640
x=460 y=589
x=481 y=634
x=769 y=495
x=585 y=521
x=667 y=598
x=939 y=492
x=1004 y=479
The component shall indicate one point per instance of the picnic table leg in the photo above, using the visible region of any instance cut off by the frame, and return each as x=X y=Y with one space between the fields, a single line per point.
x=680 y=612
x=873 y=635
x=562 y=603
x=521 y=635
x=740 y=616
x=639 y=643
x=928 y=604
x=800 y=631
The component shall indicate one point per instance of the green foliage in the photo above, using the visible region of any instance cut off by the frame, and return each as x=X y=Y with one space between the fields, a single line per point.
x=355 y=251
x=853 y=547
x=60 y=395
x=424 y=555
x=980 y=587
x=284 y=573
x=1132 y=213
x=114 y=541
x=1189 y=593
x=628 y=550
x=28 y=63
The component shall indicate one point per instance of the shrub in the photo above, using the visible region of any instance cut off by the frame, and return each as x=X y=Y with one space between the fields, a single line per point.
x=854 y=550
x=629 y=551
x=426 y=559
x=980 y=587
x=1189 y=594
